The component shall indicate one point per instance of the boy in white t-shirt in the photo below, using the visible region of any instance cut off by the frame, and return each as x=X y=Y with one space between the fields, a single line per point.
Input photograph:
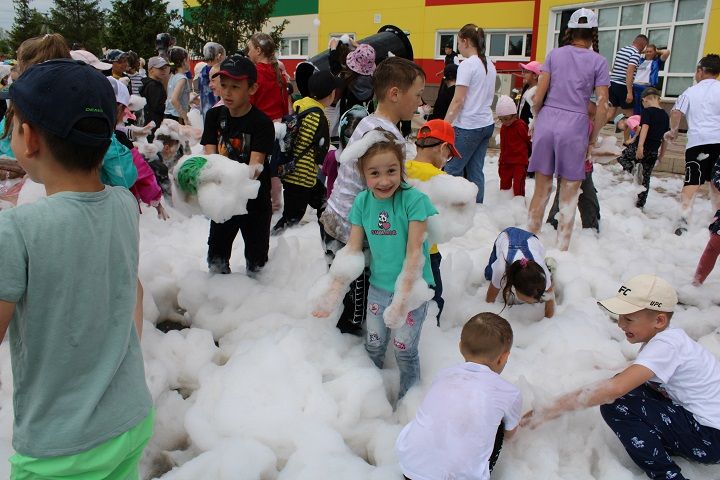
x=668 y=401
x=454 y=432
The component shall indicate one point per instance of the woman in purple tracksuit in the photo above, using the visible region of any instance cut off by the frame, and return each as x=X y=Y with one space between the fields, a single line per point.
x=569 y=76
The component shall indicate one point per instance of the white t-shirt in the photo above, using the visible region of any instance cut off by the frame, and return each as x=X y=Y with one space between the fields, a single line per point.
x=349 y=182
x=688 y=373
x=642 y=74
x=527 y=98
x=502 y=245
x=701 y=106
x=453 y=433
x=476 y=111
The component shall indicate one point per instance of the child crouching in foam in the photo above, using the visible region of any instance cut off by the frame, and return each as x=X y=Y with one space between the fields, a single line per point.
x=518 y=267
x=392 y=216
x=460 y=425
x=668 y=401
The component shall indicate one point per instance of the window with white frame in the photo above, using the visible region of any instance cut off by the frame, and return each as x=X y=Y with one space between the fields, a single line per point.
x=510 y=45
x=294 y=47
x=514 y=45
x=675 y=24
x=444 y=39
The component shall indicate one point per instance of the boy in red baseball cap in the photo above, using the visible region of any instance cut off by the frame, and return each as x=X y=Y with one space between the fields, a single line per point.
x=435 y=146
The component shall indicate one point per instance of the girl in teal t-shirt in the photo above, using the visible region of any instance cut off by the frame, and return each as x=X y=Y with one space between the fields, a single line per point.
x=392 y=216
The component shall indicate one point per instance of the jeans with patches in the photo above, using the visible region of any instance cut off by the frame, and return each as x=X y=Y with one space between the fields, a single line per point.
x=652 y=427
x=404 y=339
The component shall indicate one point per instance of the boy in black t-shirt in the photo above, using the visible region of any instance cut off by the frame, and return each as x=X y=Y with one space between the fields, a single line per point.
x=243 y=133
x=641 y=155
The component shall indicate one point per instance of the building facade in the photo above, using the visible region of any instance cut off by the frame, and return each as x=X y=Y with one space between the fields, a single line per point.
x=517 y=31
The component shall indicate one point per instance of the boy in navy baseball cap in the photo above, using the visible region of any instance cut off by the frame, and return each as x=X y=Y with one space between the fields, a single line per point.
x=68 y=286
x=240 y=131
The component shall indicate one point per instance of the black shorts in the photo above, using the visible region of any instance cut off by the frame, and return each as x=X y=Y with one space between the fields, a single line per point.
x=618 y=94
x=699 y=163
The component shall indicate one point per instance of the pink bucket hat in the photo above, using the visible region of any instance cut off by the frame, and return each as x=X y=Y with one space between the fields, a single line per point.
x=533 y=67
x=362 y=59
x=633 y=122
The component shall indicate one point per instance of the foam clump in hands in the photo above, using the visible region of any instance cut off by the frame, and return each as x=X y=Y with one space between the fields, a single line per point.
x=411 y=291
x=214 y=185
x=328 y=292
x=454 y=199
x=183 y=133
x=359 y=147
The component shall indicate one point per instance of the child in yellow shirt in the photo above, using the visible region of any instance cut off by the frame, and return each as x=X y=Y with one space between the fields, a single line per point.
x=435 y=146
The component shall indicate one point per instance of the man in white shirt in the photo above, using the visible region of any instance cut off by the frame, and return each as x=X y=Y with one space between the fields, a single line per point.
x=454 y=432
x=668 y=401
x=700 y=104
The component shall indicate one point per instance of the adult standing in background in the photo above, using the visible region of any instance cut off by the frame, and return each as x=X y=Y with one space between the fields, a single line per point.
x=560 y=141
x=700 y=104
x=469 y=112
x=625 y=63
x=154 y=89
x=451 y=56
x=648 y=74
x=213 y=54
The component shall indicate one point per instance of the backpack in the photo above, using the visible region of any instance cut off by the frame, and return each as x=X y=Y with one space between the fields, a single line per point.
x=284 y=158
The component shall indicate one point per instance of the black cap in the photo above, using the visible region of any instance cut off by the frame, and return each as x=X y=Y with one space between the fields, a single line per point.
x=450 y=71
x=238 y=67
x=56 y=94
x=321 y=84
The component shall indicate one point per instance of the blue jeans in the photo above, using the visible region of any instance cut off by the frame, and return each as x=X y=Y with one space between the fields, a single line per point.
x=652 y=428
x=472 y=145
x=405 y=339
x=637 y=98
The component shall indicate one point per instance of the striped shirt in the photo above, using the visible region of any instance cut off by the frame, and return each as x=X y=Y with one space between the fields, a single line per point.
x=135 y=83
x=306 y=167
x=623 y=58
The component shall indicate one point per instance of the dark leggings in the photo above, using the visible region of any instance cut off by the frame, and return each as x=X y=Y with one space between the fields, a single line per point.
x=296 y=200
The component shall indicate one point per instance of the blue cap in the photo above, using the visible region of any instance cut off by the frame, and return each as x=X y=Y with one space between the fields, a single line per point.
x=56 y=94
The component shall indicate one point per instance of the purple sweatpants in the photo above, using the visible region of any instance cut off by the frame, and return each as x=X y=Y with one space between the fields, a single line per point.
x=559 y=143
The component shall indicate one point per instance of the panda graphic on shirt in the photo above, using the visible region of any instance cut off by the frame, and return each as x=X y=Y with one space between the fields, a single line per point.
x=384 y=225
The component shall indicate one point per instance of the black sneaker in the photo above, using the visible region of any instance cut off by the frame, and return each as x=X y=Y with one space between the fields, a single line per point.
x=681 y=228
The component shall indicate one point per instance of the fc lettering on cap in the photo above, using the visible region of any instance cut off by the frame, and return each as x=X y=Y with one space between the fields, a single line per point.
x=624 y=290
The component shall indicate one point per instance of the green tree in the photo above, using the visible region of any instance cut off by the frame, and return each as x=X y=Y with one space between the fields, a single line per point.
x=228 y=22
x=133 y=24
x=79 y=21
x=28 y=23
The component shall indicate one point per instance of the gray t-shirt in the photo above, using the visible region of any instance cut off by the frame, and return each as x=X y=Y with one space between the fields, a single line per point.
x=184 y=96
x=70 y=265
